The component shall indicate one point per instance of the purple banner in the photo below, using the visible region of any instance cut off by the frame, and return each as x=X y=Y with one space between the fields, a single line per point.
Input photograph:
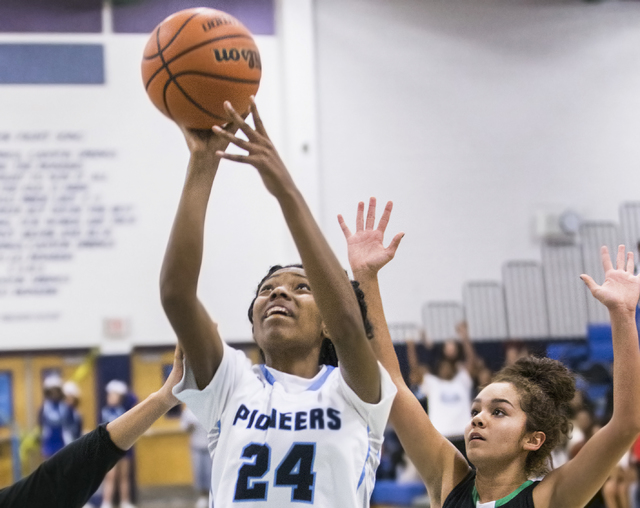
x=76 y=16
x=142 y=16
x=49 y=64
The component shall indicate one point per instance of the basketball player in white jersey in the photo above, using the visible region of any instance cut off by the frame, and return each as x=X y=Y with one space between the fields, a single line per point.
x=519 y=418
x=290 y=431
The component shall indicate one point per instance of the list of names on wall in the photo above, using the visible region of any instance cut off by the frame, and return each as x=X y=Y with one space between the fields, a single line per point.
x=53 y=205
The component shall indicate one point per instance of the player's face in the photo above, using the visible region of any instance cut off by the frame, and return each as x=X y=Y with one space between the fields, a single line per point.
x=497 y=431
x=285 y=314
x=114 y=399
x=54 y=394
x=450 y=351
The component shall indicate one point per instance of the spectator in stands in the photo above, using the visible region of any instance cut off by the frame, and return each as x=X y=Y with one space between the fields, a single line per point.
x=483 y=376
x=514 y=350
x=449 y=388
x=583 y=427
x=52 y=416
x=200 y=458
x=391 y=456
x=617 y=489
x=73 y=424
x=116 y=395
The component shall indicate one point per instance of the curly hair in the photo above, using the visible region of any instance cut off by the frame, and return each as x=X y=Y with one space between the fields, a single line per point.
x=545 y=387
x=328 y=354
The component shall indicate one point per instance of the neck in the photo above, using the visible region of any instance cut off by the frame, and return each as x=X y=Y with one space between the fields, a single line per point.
x=302 y=366
x=493 y=483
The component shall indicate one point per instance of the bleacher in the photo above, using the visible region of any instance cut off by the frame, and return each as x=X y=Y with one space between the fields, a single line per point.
x=542 y=303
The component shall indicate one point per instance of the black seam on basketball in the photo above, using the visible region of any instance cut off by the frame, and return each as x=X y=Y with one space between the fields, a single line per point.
x=190 y=99
x=217 y=76
x=164 y=66
x=160 y=50
x=192 y=48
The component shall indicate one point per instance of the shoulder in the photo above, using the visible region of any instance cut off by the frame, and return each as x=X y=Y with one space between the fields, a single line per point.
x=463 y=373
x=430 y=380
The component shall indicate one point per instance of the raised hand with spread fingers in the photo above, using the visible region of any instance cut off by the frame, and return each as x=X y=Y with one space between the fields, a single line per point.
x=367 y=253
x=438 y=462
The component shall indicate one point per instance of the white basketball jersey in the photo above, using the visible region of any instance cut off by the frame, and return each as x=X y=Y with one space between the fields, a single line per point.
x=278 y=440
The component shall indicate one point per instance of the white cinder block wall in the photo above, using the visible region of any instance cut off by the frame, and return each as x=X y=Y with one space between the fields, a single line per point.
x=473 y=116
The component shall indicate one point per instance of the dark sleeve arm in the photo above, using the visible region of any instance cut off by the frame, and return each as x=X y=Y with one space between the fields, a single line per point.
x=69 y=478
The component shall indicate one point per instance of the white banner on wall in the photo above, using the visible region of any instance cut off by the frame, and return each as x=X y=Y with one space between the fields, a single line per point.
x=90 y=177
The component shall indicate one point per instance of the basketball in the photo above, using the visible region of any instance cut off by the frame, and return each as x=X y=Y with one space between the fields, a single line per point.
x=194 y=61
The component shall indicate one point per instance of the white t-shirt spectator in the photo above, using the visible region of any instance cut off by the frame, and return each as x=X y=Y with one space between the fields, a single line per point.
x=449 y=402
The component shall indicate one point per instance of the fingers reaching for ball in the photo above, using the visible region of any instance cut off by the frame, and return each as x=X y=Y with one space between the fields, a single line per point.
x=261 y=152
x=257 y=139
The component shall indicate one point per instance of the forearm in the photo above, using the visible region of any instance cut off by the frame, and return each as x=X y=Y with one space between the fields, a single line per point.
x=334 y=296
x=381 y=342
x=329 y=282
x=183 y=257
x=626 y=370
x=196 y=331
x=125 y=430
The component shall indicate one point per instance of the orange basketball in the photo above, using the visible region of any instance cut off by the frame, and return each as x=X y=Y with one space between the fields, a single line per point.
x=194 y=61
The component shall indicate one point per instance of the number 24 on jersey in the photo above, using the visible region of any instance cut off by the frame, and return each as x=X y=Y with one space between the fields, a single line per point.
x=294 y=471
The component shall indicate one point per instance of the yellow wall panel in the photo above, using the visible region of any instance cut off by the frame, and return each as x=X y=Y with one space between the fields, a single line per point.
x=163 y=458
x=162 y=455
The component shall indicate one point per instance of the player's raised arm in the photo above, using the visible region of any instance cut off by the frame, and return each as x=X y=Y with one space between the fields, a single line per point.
x=577 y=481
x=196 y=331
x=127 y=429
x=330 y=285
x=440 y=465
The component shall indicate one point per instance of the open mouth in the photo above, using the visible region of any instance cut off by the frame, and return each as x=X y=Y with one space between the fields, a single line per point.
x=276 y=310
x=474 y=436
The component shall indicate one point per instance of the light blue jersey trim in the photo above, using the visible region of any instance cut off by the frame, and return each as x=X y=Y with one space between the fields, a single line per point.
x=316 y=386
x=364 y=467
x=267 y=375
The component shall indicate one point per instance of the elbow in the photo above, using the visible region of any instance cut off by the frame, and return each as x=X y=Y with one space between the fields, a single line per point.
x=168 y=293
x=634 y=426
x=173 y=294
x=627 y=426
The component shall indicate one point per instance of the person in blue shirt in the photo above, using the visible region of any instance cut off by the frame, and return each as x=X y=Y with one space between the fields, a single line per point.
x=116 y=399
x=52 y=417
x=73 y=424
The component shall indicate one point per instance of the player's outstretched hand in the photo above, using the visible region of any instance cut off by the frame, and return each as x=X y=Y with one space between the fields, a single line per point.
x=261 y=153
x=621 y=289
x=174 y=378
x=367 y=253
x=207 y=141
